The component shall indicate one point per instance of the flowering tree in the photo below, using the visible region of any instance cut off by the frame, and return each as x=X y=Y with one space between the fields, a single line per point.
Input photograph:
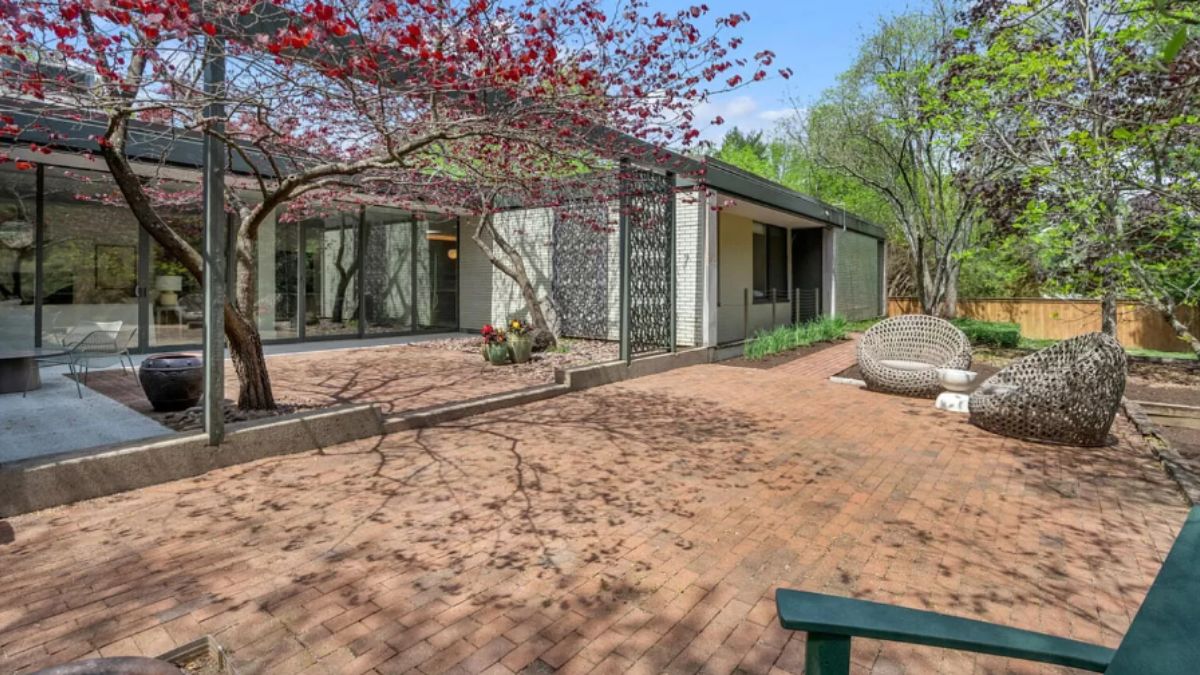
x=398 y=100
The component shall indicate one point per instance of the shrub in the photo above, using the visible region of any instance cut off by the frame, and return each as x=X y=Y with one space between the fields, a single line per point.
x=991 y=333
x=785 y=338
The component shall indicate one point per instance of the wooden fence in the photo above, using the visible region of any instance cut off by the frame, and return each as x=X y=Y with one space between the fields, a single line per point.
x=1047 y=318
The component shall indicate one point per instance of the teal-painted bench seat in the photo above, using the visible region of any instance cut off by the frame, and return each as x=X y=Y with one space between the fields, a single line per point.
x=1164 y=638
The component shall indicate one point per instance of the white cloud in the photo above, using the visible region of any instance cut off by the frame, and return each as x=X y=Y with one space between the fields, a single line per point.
x=740 y=110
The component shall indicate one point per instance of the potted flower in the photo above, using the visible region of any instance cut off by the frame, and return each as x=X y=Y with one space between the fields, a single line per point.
x=494 y=345
x=519 y=344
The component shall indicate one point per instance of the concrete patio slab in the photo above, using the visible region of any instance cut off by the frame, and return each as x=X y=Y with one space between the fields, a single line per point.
x=53 y=419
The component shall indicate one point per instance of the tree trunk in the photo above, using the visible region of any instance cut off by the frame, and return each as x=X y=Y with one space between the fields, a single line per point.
x=949 y=304
x=245 y=344
x=1108 y=314
x=514 y=268
x=245 y=348
x=1184 y=333
x=241 y=330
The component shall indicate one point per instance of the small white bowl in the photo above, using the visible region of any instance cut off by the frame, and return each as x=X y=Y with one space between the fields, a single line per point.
x=956 y=380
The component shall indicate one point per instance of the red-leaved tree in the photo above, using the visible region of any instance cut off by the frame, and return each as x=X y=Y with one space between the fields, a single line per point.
x=400 y=100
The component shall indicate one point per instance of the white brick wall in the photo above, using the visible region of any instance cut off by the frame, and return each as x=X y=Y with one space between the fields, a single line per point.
x=488 y=296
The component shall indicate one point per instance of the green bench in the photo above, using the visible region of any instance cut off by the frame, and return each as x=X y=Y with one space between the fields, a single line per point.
x=1164 y=638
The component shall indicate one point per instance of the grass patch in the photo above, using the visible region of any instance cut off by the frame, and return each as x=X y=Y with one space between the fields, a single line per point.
x=1034 y=344
x=1181 y=356
x=862 y=325
x=784 y=338
x=991 y=333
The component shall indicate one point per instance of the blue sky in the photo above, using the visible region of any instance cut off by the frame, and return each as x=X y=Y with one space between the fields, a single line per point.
x=815 y=38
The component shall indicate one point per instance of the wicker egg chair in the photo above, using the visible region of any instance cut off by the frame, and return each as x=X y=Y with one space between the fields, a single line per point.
x=1067 y=393
x=902 y=355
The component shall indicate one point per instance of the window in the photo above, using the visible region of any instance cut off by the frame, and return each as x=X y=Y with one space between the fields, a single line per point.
x=770 y=263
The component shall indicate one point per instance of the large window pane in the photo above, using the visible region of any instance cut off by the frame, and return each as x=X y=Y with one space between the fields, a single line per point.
x=18 y=220
x=441 y=274
x=770 y=263
x=278 y=278
x=90 y=257
x=176 y=296
x=331 y=288
x=388 y=291
x=760 y=263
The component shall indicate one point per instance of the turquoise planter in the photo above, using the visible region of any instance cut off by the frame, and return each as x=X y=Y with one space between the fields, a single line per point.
x=497 y=354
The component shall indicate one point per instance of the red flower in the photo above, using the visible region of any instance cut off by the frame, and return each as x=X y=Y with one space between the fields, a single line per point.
x=22 y=165
x=210 y=29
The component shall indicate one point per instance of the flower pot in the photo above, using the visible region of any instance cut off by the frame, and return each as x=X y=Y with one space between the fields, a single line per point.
x=172 y=381
x=521 y=348
x=497 y=354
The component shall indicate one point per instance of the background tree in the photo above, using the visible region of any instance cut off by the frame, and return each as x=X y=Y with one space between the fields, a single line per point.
x=884 y=127
x=1097 y=133
x=360 y=96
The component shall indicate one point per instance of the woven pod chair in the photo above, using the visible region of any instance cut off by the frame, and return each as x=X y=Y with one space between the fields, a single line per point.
x=902 y=355
x=1067 y=393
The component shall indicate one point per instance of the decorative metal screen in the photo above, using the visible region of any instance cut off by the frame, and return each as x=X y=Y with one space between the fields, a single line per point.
x=648 y=205
x=579 y=260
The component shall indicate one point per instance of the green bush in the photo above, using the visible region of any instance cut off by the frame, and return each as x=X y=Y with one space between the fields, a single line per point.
x=784 y=338
x=990 y=333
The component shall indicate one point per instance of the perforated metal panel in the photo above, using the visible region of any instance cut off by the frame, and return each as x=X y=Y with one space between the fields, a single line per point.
x=579 y=263
x=858 y=272
x=647 y=204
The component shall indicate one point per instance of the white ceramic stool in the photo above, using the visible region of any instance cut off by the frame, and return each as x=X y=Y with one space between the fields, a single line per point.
x=953 y=402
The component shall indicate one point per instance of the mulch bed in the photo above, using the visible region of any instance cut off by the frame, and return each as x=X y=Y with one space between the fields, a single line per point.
x=780 y=358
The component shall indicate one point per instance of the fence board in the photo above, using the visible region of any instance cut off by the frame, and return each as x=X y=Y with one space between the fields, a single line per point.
x=1048 y=318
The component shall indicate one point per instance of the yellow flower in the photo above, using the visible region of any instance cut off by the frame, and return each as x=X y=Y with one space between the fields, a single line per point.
x=516 y=324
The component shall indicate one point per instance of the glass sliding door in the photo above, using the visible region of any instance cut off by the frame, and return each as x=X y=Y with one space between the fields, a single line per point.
x=388 y=275
x=440 y=274
x=175 y=297
x=331 y=275
x=277 y=277
x=90 y=255
x=18 y=255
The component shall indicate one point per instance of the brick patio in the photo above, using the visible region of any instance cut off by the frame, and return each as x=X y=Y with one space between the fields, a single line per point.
x=636 y=527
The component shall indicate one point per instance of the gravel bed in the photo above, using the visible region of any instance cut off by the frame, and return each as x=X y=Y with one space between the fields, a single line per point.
x=569 y=354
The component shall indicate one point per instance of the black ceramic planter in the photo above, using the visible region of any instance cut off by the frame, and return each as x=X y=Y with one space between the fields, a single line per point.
x=172 y=381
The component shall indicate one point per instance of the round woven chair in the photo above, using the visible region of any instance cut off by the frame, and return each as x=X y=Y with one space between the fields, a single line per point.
x=902 y=355
x=1067 y=393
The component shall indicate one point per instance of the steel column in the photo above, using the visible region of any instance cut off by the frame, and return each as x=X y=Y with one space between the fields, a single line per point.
x=673 y=303
x=39 y=250
x=214 y=246
x=624 y=205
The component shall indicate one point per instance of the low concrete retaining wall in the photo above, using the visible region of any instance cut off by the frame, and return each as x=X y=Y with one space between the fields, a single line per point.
x=43 y=482
x=40 y=483
x=1167 y=455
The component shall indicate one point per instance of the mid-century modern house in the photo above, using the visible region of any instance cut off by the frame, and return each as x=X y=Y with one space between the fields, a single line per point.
x=748 y=253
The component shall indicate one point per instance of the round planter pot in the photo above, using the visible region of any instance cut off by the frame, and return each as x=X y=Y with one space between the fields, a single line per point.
x=497 y=354
x=521 y=349
x=172 y=381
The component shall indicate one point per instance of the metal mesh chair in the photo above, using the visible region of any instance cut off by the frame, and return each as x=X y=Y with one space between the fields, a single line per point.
x=98 y=348
x=1067 y=393
x=902 y=355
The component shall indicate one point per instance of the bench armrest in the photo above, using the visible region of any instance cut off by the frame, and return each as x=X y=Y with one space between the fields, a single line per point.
x=829 y=615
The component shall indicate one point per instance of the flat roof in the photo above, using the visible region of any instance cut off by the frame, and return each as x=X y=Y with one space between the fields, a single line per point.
x=739 y=183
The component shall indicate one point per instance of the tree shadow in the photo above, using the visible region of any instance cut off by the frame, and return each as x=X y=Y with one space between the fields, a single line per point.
x=508 y=512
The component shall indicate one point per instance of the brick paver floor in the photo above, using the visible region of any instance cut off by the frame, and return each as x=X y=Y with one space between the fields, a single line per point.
x=638 y=527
